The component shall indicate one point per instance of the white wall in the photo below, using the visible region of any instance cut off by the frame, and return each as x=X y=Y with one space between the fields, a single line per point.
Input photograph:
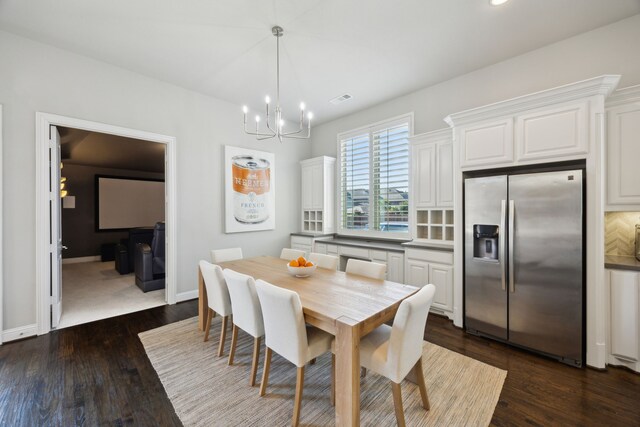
x=36 y=77
x=612 y=49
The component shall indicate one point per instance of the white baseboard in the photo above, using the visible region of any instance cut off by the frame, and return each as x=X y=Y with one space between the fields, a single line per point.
x=185 y=296
x=19 y=333
x=81 y=259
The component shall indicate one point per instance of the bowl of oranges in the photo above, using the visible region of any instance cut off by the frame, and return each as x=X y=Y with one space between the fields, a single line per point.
x=301 y=267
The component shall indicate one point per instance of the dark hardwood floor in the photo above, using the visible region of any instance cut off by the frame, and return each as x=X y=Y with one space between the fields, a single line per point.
x=98 y=374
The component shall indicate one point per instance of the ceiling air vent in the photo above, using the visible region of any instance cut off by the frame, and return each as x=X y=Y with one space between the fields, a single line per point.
x=341 y=98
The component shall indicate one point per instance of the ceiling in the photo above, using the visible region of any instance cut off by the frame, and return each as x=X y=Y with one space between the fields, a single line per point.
x=80 y=147
x=372 y=49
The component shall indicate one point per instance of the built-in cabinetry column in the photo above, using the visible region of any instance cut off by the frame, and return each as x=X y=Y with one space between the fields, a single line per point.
x=318 y=195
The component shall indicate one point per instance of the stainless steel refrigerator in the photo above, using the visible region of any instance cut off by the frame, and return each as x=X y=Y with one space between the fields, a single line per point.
x=524 y=251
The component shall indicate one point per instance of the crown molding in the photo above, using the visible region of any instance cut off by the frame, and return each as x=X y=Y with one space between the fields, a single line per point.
x=432 y=136
x=602 y=85
x=623 y=96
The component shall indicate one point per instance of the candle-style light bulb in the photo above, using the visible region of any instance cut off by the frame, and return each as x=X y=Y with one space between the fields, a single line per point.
x=281 y=122
x=267 y=99
x=257 y=119
x=245 y=110
x=302 y=106
x=310 y=116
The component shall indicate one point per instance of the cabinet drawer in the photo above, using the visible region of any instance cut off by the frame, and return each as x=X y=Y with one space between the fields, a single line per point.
x=354 y=252
x=332 y=249
x=301 y=240
x=440 y=257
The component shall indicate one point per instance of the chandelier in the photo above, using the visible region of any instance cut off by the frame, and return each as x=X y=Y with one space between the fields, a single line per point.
x=275 y=127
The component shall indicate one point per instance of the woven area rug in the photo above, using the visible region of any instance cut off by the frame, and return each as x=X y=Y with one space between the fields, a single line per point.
x=205 y=391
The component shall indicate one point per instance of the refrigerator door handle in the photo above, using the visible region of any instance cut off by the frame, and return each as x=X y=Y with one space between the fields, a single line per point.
x=512 y=232
x=502 y=248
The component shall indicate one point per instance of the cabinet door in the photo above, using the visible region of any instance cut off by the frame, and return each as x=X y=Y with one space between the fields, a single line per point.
x=424 y=173
x=487 y=144
x=321 y=248
x=553 y=133
x=625 y=315
x=623 y=153
x=317 y=187
x=416 y=272
x=395 y=267
x=306 y=186
x=444 y=180
x=441 y=276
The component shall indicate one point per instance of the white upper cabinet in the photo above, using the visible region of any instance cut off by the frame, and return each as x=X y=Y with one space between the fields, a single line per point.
x=424 y=168
x=554 y=125
x=623 y=150
x=318 y=195
x=307 y=179
x=444 y=179
x=432 y=169
x=487 y=143
x=552 y=133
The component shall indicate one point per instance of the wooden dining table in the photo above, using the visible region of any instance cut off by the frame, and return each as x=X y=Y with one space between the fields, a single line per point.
x=347 y=306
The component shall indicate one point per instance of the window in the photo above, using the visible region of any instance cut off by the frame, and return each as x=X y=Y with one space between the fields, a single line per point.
x=374 y=179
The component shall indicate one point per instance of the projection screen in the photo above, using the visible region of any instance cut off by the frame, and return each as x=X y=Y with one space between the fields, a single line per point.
x=123 y=203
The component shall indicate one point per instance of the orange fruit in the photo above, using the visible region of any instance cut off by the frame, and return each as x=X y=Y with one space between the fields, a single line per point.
x=294 y=263
x=302 y=261
x=309 y=264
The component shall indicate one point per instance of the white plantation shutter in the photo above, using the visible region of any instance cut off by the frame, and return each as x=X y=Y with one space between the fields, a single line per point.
x=390 y=169
x=355 y=173
x=374 y=178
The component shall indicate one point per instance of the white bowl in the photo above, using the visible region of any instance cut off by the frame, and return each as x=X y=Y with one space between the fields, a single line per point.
x=301 y=271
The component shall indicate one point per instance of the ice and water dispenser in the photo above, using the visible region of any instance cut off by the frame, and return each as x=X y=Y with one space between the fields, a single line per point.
x=485 y=241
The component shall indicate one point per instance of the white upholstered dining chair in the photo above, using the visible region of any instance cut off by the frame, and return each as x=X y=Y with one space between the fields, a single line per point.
x=290 y=254
x=217 y=299
x=393 y=351
x=247 y=315
x=329 y=262
x=223 y=255
x=366 y=268
x=287 y=335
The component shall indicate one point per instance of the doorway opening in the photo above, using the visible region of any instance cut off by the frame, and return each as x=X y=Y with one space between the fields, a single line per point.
x=106 y=216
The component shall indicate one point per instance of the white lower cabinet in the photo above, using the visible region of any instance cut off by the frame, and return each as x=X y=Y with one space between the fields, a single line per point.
x=624 y=318
x=302 y=243
x=320 y=248
x=441 y=276
x=436 y=267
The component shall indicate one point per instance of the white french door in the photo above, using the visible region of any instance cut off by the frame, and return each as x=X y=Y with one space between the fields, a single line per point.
x=55 y=239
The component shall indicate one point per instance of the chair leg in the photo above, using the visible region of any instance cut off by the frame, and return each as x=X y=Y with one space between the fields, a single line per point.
x=333 y=379
x=295 y=421
x=223 y=335
x=210 y=314
x=234 y=341
x=397 y=403
x=417 y=369
x=256 y=360
x=265 y=371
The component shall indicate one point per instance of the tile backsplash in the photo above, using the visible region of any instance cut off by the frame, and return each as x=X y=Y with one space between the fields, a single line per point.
x=619 y=232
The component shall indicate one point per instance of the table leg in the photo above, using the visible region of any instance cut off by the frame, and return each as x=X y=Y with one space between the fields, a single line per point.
x=347 y=372
x=203 y=305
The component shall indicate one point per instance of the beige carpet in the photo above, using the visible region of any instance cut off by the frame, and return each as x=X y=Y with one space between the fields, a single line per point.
x=206 y=392
x=95 y=290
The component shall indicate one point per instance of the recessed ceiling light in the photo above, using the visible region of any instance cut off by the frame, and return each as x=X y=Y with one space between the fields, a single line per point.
x=497 y=2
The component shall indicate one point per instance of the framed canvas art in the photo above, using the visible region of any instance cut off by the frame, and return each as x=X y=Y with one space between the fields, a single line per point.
x=249 y=190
